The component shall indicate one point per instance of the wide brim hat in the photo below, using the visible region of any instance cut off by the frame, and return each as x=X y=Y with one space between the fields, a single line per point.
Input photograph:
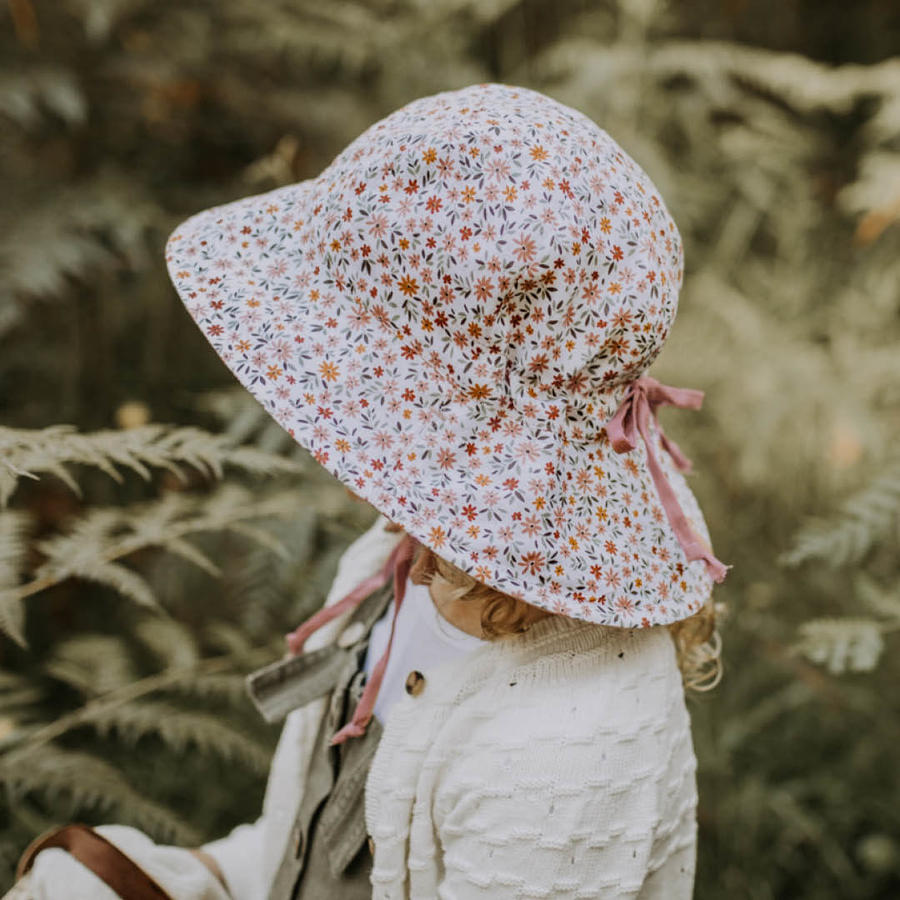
x=455 y=318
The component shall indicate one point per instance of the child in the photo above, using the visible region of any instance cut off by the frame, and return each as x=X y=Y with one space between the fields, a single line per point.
x=455 y=318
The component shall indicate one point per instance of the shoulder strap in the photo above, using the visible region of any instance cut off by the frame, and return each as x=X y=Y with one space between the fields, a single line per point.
x=128 y=880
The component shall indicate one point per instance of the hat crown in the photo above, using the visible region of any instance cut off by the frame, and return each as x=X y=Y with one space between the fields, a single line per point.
x=532 y=261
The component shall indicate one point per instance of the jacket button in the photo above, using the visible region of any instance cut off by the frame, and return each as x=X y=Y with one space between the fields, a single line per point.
x=371 y=844
x=415 y=683
x=351 y=635
x=297 y=838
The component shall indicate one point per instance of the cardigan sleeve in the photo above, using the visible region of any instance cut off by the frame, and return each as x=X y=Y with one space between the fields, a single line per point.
x=608 y=813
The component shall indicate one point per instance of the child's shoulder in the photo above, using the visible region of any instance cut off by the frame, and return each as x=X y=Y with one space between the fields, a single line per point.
x=570 y=714
x=573 y=678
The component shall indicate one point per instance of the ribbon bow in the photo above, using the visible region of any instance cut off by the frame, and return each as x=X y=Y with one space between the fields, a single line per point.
x=397 y=566
x=644 y=395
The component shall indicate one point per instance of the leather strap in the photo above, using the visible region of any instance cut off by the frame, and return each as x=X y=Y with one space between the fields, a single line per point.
x=102 y=857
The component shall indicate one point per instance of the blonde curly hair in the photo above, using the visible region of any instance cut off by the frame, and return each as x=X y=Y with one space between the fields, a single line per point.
x=698 y=644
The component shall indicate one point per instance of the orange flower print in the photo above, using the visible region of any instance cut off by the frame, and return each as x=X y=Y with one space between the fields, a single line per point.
x=408 y=285
x=484 y=287
x=532 y=562
x=524 y=248
x=445 y=458
x=328 y=371
x=448 y=320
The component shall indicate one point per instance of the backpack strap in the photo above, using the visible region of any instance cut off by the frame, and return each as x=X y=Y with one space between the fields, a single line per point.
x=118 y=871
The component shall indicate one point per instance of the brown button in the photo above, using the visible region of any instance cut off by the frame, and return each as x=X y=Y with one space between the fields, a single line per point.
x=297 y=837
x=371 y=844
x=415 y=683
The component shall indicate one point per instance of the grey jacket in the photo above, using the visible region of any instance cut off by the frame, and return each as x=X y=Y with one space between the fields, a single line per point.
x=328 y=853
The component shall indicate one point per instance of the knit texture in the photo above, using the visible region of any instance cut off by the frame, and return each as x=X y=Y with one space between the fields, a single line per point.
x=556 y=764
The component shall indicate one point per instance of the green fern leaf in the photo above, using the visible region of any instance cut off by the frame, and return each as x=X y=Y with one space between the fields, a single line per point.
x=169 y=641
x=93 y=664
x=883 y=603
x=72 y=783
x=228 y=686
x=26 y=453
x=842 y=645
x=862 y=520
x=188 y=551
x=181 y=729
x=14 y=527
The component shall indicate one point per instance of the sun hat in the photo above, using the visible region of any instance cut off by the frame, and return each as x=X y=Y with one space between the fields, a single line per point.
x=456 y=318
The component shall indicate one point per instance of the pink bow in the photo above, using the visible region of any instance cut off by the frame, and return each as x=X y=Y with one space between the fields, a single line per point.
x=397 y=564
x=644 y=395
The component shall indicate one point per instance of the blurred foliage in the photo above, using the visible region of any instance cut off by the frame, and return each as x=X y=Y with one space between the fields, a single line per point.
x=772 y=128
x=122 y=692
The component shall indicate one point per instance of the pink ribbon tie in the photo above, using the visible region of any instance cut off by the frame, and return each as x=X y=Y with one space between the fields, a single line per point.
x=632 y=418
x=397 y=565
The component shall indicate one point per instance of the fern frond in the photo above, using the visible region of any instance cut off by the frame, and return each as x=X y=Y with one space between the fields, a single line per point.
x=263 y=538
x=128 y=693
x=73 y=230
x=228 y=686
x=228 y=638
x=883 y=603
x=101 y=536
x=18 y=693
x=169 y=641
x=235 y=503
x=14 y=526
x=842 y=644
x=193 y=554
x=89 y=551
x=27 y=452
x=244 y=419
x=93 y=664
x=74 y=782
x=180 y=729
x=862 y=520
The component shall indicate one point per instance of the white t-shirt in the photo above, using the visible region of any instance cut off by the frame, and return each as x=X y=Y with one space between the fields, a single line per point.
x=423 y=640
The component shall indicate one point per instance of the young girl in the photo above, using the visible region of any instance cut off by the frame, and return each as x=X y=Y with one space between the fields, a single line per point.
x=455 y=318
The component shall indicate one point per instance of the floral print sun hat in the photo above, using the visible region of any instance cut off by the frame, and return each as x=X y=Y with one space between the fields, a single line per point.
x=456 y=318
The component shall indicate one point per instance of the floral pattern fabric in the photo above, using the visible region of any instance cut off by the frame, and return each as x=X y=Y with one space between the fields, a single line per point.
x=446 y=318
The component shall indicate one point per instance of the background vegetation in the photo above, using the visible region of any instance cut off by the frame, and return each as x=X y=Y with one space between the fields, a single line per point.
x=154 y=551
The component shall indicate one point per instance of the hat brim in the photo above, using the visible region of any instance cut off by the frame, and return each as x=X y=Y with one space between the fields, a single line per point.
x=573 y=527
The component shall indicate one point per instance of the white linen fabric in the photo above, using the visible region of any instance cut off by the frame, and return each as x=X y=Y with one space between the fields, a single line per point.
x=423 y=639
x=57 y=875
x=555 y=764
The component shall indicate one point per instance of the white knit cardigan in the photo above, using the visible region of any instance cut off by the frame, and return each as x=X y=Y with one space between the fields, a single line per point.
x=553 y=764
